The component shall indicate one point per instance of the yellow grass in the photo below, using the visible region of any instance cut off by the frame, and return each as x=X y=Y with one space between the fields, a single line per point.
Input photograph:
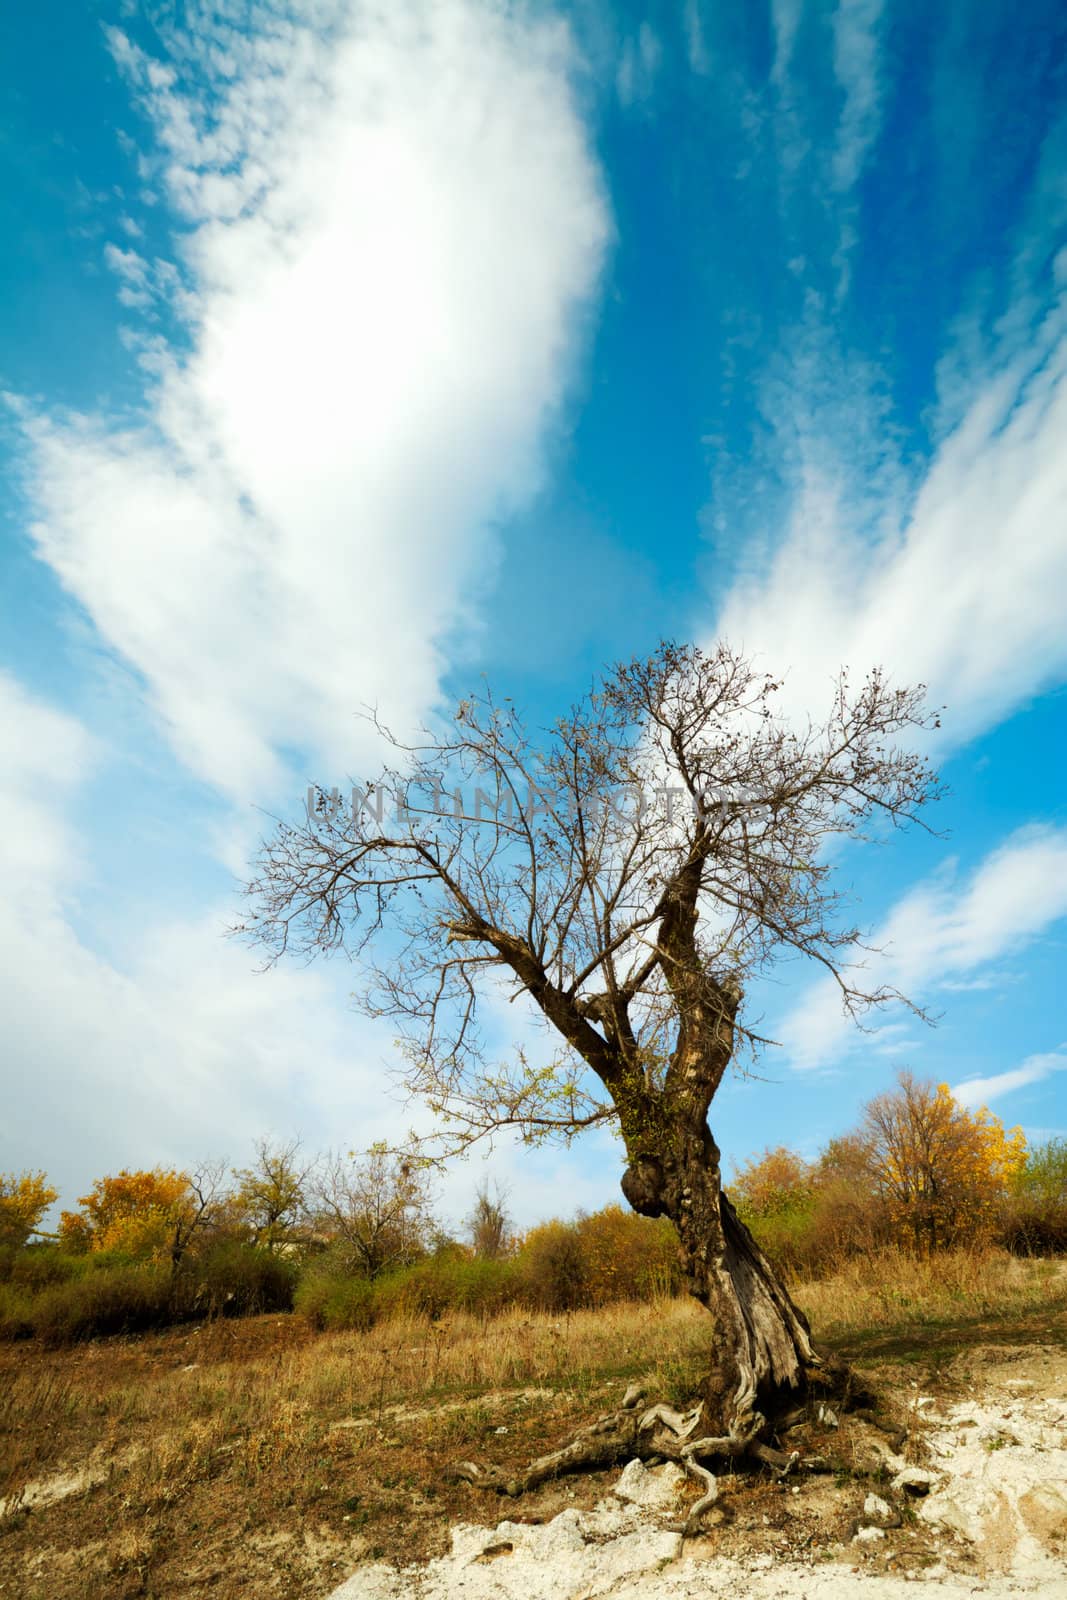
x=249 y=1450
x=893 y=1289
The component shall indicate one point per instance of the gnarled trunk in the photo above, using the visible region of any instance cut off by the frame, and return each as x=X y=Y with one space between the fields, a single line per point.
x=762 y=1349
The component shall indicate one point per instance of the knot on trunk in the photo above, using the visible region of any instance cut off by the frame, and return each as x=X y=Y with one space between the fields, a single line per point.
x=642 y=1184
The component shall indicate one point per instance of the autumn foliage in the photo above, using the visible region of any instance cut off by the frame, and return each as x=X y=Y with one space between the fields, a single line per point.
x=939 y=1170
x=922 y=1172
x=24 y=1199
x=352 y=1240
x=132 y=1213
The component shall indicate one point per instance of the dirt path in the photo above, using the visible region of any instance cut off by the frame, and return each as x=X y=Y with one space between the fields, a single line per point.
x=980 y=1508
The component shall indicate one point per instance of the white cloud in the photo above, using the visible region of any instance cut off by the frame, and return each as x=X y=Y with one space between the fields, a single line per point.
x=696 y=46
x=397 y=222
x=963 y=588
x=938 y=934
x=856 y=42
x=44 y=754
x=135 y=273
x=173 y=1049
x=785 y=18
x=639 y=66
x=981 y=1091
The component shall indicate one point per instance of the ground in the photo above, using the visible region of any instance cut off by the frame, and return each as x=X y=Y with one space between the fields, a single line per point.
x=260 y=1457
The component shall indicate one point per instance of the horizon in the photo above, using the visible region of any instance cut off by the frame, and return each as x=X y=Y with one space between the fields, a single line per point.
x=353 y=354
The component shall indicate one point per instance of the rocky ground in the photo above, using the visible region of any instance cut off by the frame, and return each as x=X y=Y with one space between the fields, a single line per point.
x=976 y=1503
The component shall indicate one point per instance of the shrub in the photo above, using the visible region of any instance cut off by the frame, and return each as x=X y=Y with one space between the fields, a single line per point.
x=627 y=1257
x=552 y=1268
x=450 y=1282
x=117 y=1300
x=1034 y=1216
x=235 y=1279
x=334 y=1299
x=36 y=1266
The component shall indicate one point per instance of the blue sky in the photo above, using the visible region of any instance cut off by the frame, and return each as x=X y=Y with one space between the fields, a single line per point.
x=353 y=351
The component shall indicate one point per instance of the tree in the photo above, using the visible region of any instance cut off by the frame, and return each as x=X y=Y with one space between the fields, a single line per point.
x=628 y=874
x=940 y=1169
x=489 y=1223
x=1035 y=1220
x=24 y=1199
x=776 y=1181
x=270 y=1193
x=155 y=1213
x=375 y=1204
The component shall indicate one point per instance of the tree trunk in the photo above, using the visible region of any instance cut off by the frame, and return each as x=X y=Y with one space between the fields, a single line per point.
x=762 y=1351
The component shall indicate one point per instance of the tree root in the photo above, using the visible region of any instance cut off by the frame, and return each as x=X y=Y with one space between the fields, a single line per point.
x=661 y=1433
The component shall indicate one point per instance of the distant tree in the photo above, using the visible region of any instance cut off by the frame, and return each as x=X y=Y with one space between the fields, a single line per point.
x=24 y=1199
x=271 y=1193
x=939 y=1169
x=199 y=1211
x=776 y=1181
x=376 y=1204
x=629 y=873
x=1043 y=1175
x=488 y=1224
x=154 y=1213
x=1035 y=1216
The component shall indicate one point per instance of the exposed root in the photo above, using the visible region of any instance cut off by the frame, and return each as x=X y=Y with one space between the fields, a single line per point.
x=707 y=1499
x=659 y=1432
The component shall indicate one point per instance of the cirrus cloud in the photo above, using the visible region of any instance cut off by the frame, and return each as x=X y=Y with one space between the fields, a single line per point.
x=394 y=228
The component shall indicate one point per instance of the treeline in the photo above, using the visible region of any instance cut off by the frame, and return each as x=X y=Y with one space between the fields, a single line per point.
x=921 y=1173
x=349 y=1240
x=346 y=1240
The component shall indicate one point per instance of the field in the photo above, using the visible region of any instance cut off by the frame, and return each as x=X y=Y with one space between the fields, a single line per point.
x=257 y=1456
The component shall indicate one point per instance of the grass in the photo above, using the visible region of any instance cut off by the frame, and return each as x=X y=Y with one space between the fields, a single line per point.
x=259 y=1456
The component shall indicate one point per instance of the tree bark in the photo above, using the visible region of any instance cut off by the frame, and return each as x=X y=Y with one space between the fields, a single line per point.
x=762 y=1351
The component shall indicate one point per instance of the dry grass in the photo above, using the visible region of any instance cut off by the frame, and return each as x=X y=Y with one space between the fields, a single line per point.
x=259 y=1457
x=895 y=1305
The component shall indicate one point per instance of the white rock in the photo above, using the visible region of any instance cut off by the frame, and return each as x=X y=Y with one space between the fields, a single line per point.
x=917 y=1480
x=868 y=1535
x=875 y=1506
x=655 y=1489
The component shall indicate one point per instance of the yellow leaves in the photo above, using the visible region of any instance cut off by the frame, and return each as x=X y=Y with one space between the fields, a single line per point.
x=134 y=1212
x=24 y=1199
x=939 y=1167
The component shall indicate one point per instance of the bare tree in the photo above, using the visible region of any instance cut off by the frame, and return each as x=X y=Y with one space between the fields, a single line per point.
x=629 y=872
x=376 y=1204
x=488 y=1223
x=199 y=1209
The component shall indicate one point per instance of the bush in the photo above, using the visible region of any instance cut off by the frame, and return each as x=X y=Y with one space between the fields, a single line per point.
x=449 y=1282
x=37 y=1266
x=123 y=1299
x=235 y=1279
x=1033 y=1218
x=627 y=1257
x=553 y=1268
x=335 y=1299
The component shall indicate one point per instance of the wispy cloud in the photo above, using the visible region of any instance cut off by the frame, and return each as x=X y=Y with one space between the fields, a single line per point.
x=639 y=66
x=936 y=935
x=962 y=585
x=173 y=1046
x=982 y=1091
x=395 y=225
x=857 y=27
x=164 y=1049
